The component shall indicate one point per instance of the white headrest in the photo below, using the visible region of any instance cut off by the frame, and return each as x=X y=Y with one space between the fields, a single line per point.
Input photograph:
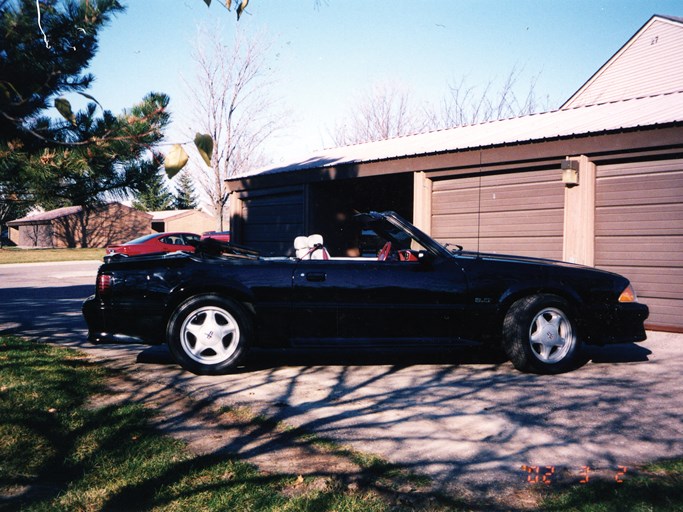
x=301 y=242
x=314 y=240
x=305 y=247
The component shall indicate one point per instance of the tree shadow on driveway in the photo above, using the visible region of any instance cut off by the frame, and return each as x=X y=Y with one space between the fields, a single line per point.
x=43 y=313
x=466 y=419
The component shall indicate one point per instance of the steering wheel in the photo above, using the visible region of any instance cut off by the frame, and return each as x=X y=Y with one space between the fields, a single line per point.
x=406 y=255
x=383 y=253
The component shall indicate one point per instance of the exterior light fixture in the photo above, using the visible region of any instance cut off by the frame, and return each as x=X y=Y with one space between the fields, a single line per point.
x=570 y=172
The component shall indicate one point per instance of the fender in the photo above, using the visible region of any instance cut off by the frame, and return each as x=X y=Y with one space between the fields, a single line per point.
x=206 y=283
x=546 y=285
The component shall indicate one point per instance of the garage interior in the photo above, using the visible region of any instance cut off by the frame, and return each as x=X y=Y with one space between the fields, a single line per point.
x=334 y=203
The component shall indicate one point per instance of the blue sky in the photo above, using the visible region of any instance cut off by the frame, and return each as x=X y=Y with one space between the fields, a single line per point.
x=325 y=53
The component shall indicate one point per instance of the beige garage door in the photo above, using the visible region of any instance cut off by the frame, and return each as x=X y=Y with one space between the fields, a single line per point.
x=639 y=233
x=506 y=213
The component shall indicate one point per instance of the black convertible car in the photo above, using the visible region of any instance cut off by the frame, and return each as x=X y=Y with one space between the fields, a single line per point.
x=212 y=305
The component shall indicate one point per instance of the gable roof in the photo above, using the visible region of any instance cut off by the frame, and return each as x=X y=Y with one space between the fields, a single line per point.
x=169 y=214
x=649 y=63
x=46 y=217
x=164 y=215
x=49 y=216
x=615 y=116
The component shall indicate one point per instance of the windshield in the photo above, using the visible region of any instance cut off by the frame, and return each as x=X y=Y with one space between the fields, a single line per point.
x=402 y=234
x=142 y=239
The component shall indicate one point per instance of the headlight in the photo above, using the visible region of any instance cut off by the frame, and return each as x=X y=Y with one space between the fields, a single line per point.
x=628 y=295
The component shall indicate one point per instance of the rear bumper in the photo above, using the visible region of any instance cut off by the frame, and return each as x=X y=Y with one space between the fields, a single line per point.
x=92 y=312
x=621 y=323
x=104 y=323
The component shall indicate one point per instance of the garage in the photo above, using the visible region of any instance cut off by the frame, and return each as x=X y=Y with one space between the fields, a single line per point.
x=334 y=203
x=639 y=233
x=269 y=219
x=597 y=182
x=511 y=212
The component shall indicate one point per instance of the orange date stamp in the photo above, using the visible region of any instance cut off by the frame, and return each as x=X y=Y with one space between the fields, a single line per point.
x=545 y=475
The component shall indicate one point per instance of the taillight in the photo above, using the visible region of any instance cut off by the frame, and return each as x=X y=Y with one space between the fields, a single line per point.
x=628 y=295
x=103 y=285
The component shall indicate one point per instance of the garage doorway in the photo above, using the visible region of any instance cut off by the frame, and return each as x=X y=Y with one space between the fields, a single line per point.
x=332 y=205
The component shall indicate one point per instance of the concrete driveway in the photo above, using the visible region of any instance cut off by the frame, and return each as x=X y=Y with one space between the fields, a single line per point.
x=466 y=420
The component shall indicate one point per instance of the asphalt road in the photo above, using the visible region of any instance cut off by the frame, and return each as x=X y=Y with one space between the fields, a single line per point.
x=464 y=419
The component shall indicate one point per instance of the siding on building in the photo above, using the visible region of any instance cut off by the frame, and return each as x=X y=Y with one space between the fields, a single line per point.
x=639 y=233
x=650 y=63
x=193 y=221
x=32 y=235
x=72 y=227
x=509 y=213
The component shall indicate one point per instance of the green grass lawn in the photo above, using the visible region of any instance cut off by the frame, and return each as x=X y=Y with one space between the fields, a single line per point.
x=15 y=255
x=57 y=452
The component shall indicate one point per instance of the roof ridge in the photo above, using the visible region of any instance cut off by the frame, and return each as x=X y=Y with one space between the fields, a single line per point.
x=502 y=119
x=621 y=100
x=678 y=19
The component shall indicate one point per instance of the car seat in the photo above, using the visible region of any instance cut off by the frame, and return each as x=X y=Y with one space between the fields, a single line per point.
x=310 y=248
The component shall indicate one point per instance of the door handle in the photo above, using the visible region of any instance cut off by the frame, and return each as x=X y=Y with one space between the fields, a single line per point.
x=316 y=277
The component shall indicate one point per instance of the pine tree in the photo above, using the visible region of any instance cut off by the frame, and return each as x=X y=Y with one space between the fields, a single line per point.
x=82 y=158
x=155 y=196
x=186 y=197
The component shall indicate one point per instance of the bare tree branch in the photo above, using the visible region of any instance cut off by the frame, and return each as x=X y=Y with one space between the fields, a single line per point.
x=466 y=104
x=232 y=102
x=383 y=112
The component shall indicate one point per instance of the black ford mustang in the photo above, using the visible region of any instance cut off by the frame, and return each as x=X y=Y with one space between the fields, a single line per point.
x=212 y=305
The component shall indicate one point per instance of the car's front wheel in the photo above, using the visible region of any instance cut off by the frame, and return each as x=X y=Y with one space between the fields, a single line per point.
x=540 y=335
x=209 y=334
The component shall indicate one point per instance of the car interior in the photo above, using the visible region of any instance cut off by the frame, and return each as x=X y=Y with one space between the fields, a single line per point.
x=310 y=248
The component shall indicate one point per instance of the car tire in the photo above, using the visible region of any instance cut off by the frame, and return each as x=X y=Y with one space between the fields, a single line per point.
x=209 y=334
x=541 y=336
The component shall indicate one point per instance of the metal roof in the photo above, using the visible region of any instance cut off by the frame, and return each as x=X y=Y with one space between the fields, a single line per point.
x=613 y=116
x=46 y=217
x=49 y=216
x=160 y=215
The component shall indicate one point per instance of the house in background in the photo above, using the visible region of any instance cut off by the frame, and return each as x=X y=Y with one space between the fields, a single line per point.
x=598 y=181
x=113 y=223
x=72 y=226
x=193 y=221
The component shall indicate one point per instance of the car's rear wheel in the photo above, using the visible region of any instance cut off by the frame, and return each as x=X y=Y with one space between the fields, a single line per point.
x=209 y=334
x=540 y=335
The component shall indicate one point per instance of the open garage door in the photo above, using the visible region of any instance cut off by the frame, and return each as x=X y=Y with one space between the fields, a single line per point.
x=516 y=212
x=639 y=233
x=271 y=219
x=333 y=203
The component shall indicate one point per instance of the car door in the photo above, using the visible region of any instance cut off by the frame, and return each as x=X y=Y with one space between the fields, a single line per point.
x=190 y=241
x=372 y=302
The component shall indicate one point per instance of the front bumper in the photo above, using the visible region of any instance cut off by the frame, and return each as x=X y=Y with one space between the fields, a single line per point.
x=620 y=323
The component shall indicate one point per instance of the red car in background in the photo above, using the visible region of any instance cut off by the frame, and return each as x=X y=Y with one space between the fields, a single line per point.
x=156 y=242
x=223 y=236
